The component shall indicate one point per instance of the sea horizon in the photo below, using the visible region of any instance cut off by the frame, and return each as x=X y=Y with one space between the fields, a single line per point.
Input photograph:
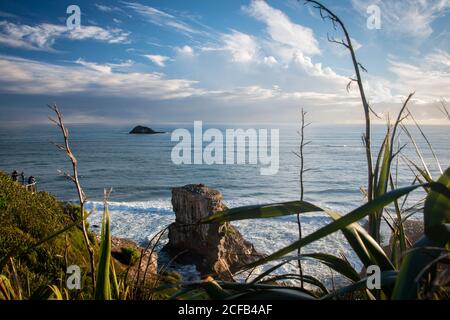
x=139 y=170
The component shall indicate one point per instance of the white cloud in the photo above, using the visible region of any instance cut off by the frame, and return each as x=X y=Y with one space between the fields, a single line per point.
x=378 y=90
x=407 y=17
x=281 y=68
x=185 y=50
x=159 y=60
x=43 y=36
x=247 y=94
x=114 y=35
x=148 y=11
x=241 y=46
x=105 y=8
x=439 y=59
x=26 y=76
x=180 y=26
x=94 y=66
x=270 y=60
x=289 y=45
x=316 y=69
x=124 y=64
x=104 y=68
x=160 y=18
x=269 y=95
x=429 y=78
x=282 y=30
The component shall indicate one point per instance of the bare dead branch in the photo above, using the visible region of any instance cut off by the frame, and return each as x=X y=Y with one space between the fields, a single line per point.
x=303 y=144
x=325 y=12
x=362 y=67
x=74 y=177
x=374 y=113
x=340 y=42
x=66 y=175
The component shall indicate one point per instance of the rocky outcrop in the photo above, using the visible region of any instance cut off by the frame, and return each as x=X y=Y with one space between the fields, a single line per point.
x=145 y=265
x=214 y=248
x=144 y=130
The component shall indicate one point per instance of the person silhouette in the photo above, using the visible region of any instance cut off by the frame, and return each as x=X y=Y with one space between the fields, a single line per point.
x=14 y=175
x=32 y=183
x=22 y=178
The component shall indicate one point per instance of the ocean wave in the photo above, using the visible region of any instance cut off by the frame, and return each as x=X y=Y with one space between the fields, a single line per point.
x=162 y=205
x=140 y=220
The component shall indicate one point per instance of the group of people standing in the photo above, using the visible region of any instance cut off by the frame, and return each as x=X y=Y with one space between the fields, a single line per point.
x=31 y=183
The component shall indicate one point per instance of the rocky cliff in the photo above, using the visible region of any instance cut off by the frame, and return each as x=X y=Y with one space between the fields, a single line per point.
x=214 y=248
x=134 y=260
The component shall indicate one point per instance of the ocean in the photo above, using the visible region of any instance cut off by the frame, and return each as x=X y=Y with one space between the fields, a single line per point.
x=141 y=174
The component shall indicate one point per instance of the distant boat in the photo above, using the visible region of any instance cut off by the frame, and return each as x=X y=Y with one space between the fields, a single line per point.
x=144 y=130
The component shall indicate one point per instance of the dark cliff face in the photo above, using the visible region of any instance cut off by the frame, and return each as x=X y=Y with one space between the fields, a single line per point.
x=143 y=130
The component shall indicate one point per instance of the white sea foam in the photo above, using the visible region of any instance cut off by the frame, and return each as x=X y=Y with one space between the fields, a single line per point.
x=139 y=221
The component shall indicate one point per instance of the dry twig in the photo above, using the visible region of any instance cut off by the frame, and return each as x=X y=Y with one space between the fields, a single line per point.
x=74 y=178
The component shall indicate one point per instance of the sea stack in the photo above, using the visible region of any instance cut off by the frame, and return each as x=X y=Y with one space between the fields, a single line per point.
x=215 y=248
x=143 y=130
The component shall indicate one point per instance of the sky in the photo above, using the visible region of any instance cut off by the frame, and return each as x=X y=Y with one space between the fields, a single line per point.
x=249 y=61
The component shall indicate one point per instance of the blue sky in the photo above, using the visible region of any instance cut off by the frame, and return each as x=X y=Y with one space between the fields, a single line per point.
x=219 y=61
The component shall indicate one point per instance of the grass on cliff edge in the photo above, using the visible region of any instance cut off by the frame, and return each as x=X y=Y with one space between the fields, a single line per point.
x=29 y=217
x=25 y=219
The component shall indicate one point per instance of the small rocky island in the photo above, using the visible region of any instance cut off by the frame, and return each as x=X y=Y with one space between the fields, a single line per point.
x=144 y=130
x=215 y=248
